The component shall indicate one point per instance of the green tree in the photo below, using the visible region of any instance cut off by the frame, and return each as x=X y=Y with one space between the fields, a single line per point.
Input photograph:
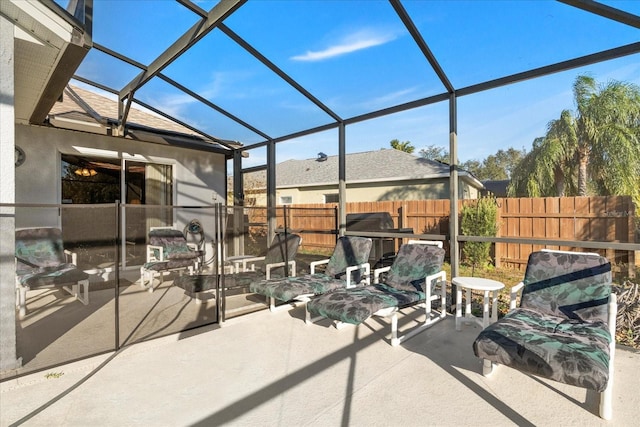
x=501 y=164
x=402 y=146
x=598 y=148
x=433 y=152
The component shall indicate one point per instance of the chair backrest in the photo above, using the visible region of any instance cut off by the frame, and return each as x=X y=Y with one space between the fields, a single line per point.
x=570 y=285
x=349 y=251
x=413 y=263
x=173 y=241
x=283 y=248
x=39 y=247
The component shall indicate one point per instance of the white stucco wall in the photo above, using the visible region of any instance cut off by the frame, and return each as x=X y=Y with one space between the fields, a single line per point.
x=199 y=178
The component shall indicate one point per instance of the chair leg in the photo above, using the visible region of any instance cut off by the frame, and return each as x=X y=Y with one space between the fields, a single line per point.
x=84 y=299
x=487 y=367
x=394 y=329
x=22 y=302
x=142 y=276
x=606 y=411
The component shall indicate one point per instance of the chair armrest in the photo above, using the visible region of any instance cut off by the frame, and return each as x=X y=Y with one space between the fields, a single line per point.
x=441 y=278
x=245 y=261
x=151 y=256
x=378 y=271
x=73 y=255
x=513 y=299
x=292 y=263
x=367 y=272
x=313 y=264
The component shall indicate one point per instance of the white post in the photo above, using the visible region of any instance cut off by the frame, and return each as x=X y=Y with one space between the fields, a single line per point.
x=8 y=352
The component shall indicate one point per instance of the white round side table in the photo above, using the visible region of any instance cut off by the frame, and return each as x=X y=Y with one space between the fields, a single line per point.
x=476 y=284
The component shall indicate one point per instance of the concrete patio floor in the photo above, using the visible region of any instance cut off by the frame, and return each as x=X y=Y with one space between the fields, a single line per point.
x=271 y=369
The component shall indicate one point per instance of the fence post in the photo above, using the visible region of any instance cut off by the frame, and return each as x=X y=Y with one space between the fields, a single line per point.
x=497 y=247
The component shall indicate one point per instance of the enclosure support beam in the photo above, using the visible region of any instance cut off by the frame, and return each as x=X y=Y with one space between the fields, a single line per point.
x=342 y=177
x=271 y=191
x=453 y=187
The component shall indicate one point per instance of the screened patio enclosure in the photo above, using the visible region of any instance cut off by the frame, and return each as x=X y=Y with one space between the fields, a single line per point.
x=498 y=44
x=234 y=72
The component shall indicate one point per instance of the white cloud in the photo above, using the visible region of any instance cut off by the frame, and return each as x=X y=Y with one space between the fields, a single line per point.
x=389 y=99
x=360 y=40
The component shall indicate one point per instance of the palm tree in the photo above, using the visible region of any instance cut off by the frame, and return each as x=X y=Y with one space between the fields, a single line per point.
x=560 y=147
x=608 y=131
x=602 y=141
x=402 y=146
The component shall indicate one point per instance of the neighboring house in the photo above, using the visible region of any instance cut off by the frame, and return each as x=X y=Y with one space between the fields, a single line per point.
x=385 y=174
x=496 y=188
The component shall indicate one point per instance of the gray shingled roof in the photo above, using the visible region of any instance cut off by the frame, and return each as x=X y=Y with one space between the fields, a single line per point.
x=368 y=166
x=101 y=107
x=85 y=106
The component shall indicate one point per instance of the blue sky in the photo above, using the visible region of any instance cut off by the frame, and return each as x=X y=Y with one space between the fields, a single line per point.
x=355 y=57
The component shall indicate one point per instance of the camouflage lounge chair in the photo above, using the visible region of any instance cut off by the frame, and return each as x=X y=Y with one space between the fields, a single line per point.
x=565 y=326
x=42 y=262
x=281 y=253
x=167 y=251
x=411 y=280
x=347 y=267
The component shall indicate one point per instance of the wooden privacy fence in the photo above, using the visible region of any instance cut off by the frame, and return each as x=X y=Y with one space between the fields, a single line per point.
x=600 y=218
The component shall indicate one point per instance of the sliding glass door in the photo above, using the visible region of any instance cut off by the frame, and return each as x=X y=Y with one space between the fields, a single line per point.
x=93 y=181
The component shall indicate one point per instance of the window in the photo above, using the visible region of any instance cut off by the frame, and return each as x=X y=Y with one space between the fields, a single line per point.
x=332 y=198
x=94 y=180
x=286 y=200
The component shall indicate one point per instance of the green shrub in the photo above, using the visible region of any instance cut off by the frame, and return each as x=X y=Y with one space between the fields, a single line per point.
x=479 y=219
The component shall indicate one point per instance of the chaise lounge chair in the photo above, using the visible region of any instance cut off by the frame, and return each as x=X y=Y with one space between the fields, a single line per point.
x=347 y=267
x=279 y=262
x=167 y=251
x=42 y=262
x=565 y=326
x=410 y=280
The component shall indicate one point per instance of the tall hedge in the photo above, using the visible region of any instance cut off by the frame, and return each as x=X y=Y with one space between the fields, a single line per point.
x=479 y=219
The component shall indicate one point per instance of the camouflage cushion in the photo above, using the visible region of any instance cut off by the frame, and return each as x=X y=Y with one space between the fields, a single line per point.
x=49 y=276
x=349 y=251
x=573 y=286
x=403 y=286
x=168 y=265
x=39 y=247
x=412 y=265
x=41 y=260
x=356 y=305
x=565 y=350
x=246 y=278
x=173 y=243
x=291 y=287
